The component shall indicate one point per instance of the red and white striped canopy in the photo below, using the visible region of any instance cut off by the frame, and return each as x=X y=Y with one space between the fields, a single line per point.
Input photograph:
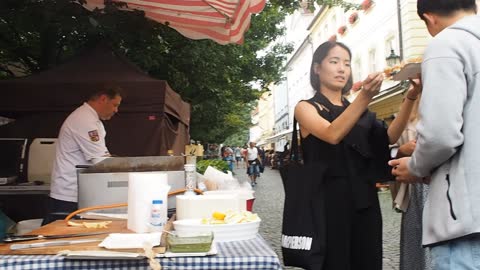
x=224 y=21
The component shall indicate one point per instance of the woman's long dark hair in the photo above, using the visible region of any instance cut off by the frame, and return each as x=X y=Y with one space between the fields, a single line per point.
x=320 y=54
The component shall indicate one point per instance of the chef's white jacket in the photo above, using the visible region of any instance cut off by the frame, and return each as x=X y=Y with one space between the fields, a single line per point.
x=81 y=140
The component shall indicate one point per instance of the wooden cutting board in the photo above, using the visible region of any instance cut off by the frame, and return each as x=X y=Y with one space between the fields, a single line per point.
x=59 y=227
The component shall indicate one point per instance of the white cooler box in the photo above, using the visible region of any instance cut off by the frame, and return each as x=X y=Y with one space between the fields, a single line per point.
x=41 y=156
x=105 y=183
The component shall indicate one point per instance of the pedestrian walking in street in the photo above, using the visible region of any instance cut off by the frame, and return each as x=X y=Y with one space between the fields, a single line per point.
x=238 y=156
x=244 y=156
x=262 y=158
x=409 y=199
x=448 y=134
x=348 y=139
x=228 y=156
x=253 y=163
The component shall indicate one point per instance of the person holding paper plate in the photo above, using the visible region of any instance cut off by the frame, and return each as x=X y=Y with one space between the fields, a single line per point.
x=353 y=145
x=448 y=134
x=409 y=199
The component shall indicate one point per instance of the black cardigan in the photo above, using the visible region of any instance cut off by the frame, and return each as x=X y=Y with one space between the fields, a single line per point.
x=362 y=156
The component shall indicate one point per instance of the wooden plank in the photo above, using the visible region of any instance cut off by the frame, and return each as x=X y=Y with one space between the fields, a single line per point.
x=59 y=227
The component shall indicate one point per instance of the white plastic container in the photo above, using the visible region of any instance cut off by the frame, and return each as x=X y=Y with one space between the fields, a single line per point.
x=221 y=232
x=202 y=206
x=142 y=190
x=245 y=196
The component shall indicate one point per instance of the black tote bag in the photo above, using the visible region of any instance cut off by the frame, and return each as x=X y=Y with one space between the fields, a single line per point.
x=303 y=227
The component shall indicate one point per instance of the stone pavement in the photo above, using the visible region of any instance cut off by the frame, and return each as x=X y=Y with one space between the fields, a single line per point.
x=268 y=204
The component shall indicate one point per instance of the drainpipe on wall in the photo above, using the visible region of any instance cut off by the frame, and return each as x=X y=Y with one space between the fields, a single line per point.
x=400 y=35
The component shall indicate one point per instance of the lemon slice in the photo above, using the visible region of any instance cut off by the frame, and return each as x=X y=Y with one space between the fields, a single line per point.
x=218 y=215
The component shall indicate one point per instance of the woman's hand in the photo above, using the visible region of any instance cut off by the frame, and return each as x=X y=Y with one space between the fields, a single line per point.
x=406 y=149
x=372 y=84
x=415 y=88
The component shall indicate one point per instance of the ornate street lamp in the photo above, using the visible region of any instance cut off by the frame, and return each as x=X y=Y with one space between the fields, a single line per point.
x=392 y=59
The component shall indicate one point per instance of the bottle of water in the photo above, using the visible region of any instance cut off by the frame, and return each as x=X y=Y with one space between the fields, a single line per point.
x=190 y=178
x=158 y=216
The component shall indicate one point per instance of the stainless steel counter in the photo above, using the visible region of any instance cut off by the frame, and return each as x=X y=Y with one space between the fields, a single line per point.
x=25 y=189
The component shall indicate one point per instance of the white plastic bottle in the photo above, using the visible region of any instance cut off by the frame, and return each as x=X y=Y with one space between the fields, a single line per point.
x=158 y=216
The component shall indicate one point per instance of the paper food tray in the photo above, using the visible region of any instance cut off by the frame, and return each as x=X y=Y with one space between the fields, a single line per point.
x=130 y=240
x=410 y=70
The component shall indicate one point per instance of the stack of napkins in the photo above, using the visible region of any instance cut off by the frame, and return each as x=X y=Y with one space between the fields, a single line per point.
x=131 y=240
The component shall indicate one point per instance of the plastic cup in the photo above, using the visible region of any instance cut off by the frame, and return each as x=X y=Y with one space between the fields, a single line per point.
x=250 y=204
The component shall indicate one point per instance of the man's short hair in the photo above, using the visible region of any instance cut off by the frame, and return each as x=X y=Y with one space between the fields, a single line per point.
x=444 y=7
x=110 y=90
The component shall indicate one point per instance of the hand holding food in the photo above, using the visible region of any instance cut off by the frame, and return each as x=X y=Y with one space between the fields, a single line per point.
x=405 y=70
x=406 y=150
x=415 y=88
x=372 y=84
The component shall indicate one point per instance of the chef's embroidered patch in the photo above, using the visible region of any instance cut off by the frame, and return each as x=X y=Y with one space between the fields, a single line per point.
x=94 y=137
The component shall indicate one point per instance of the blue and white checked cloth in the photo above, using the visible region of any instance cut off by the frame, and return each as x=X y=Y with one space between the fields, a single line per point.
x=248 y=254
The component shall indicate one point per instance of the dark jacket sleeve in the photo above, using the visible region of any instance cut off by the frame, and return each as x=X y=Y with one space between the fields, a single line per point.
x=380 y=171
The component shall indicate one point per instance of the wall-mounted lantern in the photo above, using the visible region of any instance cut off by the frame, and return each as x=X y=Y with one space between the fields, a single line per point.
x=392 y=59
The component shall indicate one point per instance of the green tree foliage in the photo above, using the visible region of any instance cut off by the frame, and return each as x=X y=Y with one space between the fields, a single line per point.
x=217 y=80
x=238 y=139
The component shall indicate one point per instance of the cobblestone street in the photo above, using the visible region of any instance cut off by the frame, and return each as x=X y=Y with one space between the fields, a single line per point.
x=269 y=206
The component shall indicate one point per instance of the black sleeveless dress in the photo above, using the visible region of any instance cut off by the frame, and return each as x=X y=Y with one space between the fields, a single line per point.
x=353 y=218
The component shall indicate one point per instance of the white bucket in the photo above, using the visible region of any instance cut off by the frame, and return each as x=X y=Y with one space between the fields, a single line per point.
x=246 y=196
x=26 y=226
x=242 y=193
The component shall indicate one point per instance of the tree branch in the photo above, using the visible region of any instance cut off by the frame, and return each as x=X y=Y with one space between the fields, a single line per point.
x=19 y=51
x=6 y=70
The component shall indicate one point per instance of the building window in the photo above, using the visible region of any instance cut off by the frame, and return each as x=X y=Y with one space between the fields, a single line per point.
x=389 y=45
x=372 y=61
x=357 y=65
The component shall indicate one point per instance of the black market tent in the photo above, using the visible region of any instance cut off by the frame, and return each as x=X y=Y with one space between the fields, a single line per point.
x=151 y=120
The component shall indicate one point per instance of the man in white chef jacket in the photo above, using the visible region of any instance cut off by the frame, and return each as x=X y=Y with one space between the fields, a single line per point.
x=81 y=141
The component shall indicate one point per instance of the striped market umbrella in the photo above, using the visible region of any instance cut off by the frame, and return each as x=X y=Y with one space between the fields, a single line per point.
x=224 y=21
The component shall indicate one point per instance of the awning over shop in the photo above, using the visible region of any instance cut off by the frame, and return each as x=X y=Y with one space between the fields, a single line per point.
x=222 y=21
x=389 y=88
x=280 y=135
x=261 y=143
x=280 y=139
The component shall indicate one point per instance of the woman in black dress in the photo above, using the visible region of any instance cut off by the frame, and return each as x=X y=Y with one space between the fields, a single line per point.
x=354 y=145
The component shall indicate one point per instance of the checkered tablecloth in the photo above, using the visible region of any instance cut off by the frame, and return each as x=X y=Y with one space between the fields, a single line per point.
x=248 y=254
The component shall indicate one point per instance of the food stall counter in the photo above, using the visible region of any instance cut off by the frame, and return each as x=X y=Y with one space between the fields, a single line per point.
x=248 y=254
